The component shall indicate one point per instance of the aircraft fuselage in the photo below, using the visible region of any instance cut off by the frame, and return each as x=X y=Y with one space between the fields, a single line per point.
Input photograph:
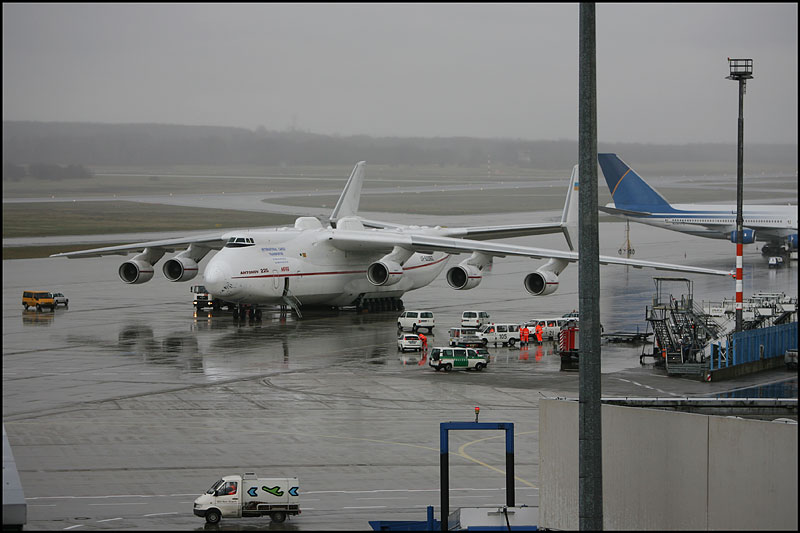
x=306 y=265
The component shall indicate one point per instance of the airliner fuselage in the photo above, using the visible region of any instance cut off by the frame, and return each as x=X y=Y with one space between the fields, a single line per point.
x=266 y=265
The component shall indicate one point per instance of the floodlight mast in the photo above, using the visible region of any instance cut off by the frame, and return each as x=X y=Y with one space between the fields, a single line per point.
x=741 y=70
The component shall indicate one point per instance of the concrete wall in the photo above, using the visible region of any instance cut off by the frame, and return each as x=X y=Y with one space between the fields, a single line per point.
x=671 y=470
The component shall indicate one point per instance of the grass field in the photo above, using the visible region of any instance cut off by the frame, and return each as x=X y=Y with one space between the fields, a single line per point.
x=95 y=218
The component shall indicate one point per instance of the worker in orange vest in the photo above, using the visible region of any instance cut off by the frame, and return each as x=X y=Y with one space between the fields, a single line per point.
x=539 y=332
x=524 y=335
x=424 y=340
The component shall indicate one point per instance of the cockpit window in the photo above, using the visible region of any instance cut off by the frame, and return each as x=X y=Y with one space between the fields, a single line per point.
x=239 y=242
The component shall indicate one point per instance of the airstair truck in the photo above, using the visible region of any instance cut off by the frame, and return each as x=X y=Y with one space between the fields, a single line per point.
x=248 y=495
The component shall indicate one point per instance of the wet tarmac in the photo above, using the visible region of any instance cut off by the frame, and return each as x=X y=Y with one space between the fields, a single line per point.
x=124 y=407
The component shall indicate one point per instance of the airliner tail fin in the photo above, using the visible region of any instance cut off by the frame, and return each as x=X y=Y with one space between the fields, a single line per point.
x=628 y=190
x=348 y=202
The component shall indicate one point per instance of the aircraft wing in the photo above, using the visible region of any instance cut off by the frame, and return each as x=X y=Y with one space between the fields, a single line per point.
x=380 y=241
x=480 y=233
x=213 y=241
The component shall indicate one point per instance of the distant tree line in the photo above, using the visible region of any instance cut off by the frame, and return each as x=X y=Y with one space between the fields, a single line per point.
x=44 y=171
x=56 y=143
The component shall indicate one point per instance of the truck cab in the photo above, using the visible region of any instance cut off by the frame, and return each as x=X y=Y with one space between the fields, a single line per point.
x=248 y=495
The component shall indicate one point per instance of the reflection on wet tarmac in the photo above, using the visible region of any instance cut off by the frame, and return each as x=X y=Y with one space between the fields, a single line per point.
x=32 y=317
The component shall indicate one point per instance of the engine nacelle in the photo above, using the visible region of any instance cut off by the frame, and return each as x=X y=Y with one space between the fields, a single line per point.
x=384 y=272
x=748 y=236
x=541 y=282
x=180 y=269
x=136 y=271
x=463 y=277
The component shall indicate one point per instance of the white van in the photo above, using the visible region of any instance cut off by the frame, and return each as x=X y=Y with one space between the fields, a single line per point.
x=447 y=359
x=505 y=334
x=415 y=320
x=474 y=319
x=550 y=326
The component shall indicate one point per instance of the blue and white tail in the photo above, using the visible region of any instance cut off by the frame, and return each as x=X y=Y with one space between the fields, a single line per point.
x=628 y=190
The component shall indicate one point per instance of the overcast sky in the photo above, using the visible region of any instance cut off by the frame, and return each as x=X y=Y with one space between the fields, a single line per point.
x=430 y=70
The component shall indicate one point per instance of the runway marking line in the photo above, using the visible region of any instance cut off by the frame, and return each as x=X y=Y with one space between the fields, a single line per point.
x=462 y=453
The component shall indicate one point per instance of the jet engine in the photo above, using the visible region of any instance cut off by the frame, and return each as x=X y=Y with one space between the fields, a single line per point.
x=469 y=273
x=541 y=283
x=387 y=270
x=180 y=268
x=748 y=236
x=140 y=268
x=463 y=277
x=384 y=272
x=183 y=266
x=135 y=271
x=545 y=280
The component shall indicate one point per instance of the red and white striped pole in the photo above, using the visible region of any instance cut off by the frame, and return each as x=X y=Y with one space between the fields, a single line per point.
x=741 y=70
x=739 y=288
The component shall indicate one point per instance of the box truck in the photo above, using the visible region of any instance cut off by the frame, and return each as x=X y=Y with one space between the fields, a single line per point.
x=248 y=495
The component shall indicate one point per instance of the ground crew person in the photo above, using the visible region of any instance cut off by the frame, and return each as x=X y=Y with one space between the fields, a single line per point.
x=523 y=335
x=424 y=340
x=539 y=332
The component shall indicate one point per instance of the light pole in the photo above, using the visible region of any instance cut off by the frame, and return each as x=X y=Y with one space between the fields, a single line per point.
x=741 y=70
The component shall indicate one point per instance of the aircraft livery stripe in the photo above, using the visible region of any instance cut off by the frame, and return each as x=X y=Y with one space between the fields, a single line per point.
x=334 y=273
x=618 y=182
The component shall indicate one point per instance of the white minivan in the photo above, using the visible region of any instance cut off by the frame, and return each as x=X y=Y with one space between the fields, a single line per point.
x=474 y=319
x=505 y=334
x=414 y=320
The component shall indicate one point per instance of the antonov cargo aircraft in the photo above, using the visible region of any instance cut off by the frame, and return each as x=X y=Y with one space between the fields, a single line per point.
x=352 y=261
x=636 y=200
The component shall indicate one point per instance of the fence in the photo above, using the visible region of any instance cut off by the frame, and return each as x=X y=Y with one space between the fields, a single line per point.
x=753 y=345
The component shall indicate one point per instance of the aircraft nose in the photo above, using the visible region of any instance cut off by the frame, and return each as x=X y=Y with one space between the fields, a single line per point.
x=217 y=278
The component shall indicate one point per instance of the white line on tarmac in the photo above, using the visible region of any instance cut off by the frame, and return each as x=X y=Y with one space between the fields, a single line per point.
x=73 y=527
x=367 y=507
x=159 y=514
x=121 y=503
x=109 y=519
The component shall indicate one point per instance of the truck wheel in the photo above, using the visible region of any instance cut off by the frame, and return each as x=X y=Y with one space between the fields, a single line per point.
x=511 y=342
x=479 y=367
x=278 y=516
x=414 y=328
x=448 y=367
x=212 y=516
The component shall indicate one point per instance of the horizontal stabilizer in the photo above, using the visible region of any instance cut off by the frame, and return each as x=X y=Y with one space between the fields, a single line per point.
x=628 y=212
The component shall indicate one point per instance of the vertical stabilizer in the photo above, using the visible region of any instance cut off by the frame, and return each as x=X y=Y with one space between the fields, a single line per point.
x=569 y=217
x=628 y=190
x=348 y=202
